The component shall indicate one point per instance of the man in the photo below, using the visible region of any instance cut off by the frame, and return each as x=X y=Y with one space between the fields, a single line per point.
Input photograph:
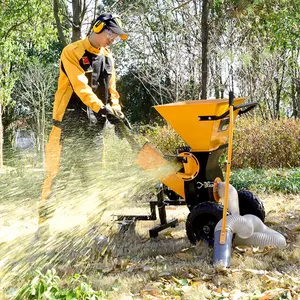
x=86 y=97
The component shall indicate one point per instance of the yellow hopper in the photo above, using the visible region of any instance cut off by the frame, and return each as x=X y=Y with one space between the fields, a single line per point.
x=202 y=124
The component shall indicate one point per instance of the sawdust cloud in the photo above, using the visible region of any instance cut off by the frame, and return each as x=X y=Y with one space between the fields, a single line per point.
x=84 y=201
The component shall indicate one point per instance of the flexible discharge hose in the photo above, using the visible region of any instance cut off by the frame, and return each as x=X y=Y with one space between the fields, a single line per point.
x=249 y=230
x=262 y=236
x=233 y=198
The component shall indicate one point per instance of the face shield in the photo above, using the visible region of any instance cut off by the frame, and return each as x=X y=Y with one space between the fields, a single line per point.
x=112 y=36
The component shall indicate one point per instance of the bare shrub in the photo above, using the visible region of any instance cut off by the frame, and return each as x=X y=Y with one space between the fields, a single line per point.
x=266 y=144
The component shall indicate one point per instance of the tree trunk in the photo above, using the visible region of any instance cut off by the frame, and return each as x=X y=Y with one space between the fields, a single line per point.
x=204 y=42
x=1 y=137
x=43 y=131
x=279 y=85
x=277 y=100
x=297 y=97
x=295 y=88
x=76 y=25
x=61 y=36
x=38 y=131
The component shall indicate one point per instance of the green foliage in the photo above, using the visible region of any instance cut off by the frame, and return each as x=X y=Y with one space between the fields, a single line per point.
x=24 y=28
x=267 y=180
x=276 y=21
x=48 y=286
x=7 y=77
x=41 y=285
x=49 y=55
x=281 y=22
x=136 y=98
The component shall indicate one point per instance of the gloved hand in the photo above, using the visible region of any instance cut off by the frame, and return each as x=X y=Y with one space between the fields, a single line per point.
x=118 y=112
x=107 y=110
x=111 y=115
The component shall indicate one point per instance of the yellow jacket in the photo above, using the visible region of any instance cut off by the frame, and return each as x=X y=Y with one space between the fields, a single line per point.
x=87 y=78
x=81 y=66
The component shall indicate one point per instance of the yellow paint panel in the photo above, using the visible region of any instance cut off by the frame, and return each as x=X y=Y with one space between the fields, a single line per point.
x=200 y=135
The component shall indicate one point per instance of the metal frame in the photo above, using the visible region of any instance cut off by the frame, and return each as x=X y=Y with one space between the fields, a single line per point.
x=161 y=205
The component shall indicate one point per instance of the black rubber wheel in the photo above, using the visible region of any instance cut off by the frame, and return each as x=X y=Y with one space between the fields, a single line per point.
x=250 y=204
x=202 y=220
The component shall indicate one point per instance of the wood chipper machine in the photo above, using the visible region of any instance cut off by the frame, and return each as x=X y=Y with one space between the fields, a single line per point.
x=204 y=126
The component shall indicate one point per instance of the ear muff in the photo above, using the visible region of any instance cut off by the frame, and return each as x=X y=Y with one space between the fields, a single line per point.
x=99 y=24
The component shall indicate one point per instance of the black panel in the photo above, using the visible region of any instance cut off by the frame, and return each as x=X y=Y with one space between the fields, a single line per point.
x=195 y=192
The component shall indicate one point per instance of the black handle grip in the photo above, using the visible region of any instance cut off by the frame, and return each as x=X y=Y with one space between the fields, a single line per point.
x=249 y=106
x=231 y=98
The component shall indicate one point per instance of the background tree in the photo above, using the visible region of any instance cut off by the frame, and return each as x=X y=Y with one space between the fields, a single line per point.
x=23 y=27
x=136 y=98
x=75 y=16
x=204 y=44
x=250 y=50
x=34 y=93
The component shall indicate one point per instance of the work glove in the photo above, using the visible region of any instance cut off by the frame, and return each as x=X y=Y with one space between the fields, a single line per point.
x=106 y=110
x=118 y=112
x=111 y=115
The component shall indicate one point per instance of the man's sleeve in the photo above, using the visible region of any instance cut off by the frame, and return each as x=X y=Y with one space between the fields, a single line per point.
x=79 y=81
